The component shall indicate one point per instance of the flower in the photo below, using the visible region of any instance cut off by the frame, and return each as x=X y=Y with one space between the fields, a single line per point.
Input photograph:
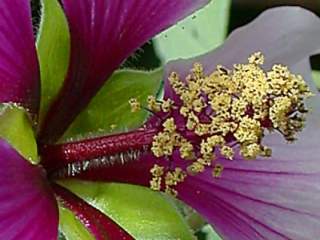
x=103 y=34
x=274 y=196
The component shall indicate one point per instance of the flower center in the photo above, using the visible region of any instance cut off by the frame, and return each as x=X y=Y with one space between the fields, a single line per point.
x=223 y=114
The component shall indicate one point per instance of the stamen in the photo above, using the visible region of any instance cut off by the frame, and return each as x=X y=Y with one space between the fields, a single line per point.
x=227 y=152
x=223 y=114
x=157 y=172
x=167 y=105
x=217 y=171
x=153 y=105
x=135 y=105
x=172 y=179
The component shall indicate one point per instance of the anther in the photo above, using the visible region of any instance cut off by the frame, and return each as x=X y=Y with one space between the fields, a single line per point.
x=226 y=113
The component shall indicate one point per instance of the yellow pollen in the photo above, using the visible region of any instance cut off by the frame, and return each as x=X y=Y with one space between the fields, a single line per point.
x=184 y=111
x=153 y=105
x=172 y=179
x=186 y=150
x=169 y=125
x=265 y=151
x=227 y=112
x=198 y=70
x=249 y=130
x=167 y=105
x=162 y=144
x=206 y=161
x=135 y=105
x=251 y=151
x=221 y=102
x=206 y=148
x=176 y=84
x=278 y=112
x=227 y=152
x=195 y=168
x=256 y=58
x=192 y=121
x=177 y=139
x=199 y=104
x=238 y=108
x=216 y=140
x=157 y=172
x=202 y=129
x=217 y=170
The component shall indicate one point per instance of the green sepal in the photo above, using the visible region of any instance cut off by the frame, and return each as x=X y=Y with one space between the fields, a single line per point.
x=71 y=227
x=143 y=213
x=53 y=45
x=109 y=111
x=16 y=129
x=199 y=33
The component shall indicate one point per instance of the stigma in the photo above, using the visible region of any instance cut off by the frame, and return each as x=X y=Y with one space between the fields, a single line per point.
x=223 y=114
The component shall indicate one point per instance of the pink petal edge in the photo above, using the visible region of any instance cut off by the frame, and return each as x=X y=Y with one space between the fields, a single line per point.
x=19 y=71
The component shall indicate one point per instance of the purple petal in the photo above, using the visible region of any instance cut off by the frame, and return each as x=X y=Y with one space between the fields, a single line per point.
x=103 y=34
x=285 y=35
x=274 y=198
x=262 y=199
x=28 y=209
x=19 y=71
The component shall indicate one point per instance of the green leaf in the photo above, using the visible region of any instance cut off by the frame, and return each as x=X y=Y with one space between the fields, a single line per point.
x=198 y=34
x=71 y=227
x=145 y=214
x=316 y=78
x=109 y=111
x=16 y=128
x=53 y=45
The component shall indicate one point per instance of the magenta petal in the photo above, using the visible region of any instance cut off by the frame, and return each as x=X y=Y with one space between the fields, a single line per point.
x=103 y=34
x=28 y=209
x=19 y=71
x=285 y=35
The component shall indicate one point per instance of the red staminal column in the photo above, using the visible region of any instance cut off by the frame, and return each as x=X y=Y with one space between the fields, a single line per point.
x=57 y=156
